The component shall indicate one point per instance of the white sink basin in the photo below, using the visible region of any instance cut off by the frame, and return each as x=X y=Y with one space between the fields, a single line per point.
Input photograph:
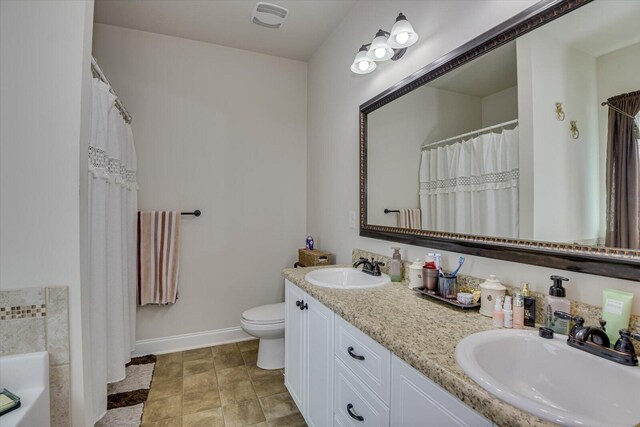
x=345 y=278
x=26 y=376
x=551 y=380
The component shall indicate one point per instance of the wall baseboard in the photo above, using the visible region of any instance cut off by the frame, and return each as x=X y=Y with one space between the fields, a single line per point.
x=190 y=341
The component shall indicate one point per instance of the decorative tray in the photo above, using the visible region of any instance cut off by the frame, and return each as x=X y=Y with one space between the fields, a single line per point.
x=453 y=302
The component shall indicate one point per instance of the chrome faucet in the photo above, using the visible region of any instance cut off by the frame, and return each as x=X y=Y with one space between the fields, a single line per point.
x=369 y=267
x=594 y=340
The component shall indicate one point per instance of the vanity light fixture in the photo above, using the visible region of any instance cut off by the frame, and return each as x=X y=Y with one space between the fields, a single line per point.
x=362 y=64
x=385 y=46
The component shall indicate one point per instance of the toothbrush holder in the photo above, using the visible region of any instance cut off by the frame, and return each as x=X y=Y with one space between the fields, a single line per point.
x=448 y=286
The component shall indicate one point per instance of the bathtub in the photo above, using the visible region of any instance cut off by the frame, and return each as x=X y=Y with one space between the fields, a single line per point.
x=27 y=376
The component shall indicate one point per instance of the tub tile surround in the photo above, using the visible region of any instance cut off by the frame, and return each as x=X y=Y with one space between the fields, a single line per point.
x=424 y=333
x=37 y=319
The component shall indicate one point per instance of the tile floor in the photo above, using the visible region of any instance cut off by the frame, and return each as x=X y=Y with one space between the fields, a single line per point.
x=218 y=386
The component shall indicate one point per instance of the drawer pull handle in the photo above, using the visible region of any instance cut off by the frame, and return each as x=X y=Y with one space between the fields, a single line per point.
x=352 y=413
x=352 y=354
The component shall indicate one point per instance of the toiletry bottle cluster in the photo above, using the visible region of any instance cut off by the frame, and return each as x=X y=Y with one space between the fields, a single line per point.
x=507 y=311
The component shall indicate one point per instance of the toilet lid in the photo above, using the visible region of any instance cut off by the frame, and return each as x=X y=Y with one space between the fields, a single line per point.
x=270 y=313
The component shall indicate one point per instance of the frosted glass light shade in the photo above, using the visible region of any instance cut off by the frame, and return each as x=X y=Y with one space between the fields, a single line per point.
x=380 y=49
x=362 y=64
x=402 y=34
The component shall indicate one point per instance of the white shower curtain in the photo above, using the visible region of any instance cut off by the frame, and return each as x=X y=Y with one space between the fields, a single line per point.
x=113 y=204
x=471 y=187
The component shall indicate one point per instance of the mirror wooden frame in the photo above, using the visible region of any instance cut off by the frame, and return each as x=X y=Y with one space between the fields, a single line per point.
x=611 y=262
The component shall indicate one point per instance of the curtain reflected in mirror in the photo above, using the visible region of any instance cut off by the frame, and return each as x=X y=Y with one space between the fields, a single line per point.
x=623 y=172
x=470 y=185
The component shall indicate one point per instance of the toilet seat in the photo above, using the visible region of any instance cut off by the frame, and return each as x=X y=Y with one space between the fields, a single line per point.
x=270 y=314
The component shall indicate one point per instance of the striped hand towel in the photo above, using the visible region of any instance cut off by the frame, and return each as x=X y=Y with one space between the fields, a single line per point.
x=158 y=257
x=410 y=218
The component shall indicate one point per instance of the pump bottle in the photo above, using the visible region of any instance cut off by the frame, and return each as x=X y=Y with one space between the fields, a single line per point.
x=557 y=301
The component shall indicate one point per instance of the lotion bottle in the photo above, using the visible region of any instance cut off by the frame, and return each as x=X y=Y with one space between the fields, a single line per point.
x=508 y=312
x=616 y=311
x=498 y=313
x=557 y=301
x=518 y=312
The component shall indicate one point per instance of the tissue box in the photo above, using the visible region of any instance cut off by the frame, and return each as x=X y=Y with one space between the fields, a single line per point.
x=313 y=257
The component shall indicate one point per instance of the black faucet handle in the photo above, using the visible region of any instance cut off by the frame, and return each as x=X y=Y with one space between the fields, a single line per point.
x=603 y=323
x=624 y=343
x=376 y=268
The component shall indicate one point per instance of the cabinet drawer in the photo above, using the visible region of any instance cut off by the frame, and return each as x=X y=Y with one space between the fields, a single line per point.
x=368 y=360
x=354 y=400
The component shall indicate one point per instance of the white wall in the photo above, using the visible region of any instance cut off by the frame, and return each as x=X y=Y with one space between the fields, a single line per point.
x=44 y=81
x=500 y=107
x=334 y=96
x=224 y=131
x=394 y=135
x=566 y=176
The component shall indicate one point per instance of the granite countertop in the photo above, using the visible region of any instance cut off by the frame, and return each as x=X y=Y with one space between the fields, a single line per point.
x=422 y=332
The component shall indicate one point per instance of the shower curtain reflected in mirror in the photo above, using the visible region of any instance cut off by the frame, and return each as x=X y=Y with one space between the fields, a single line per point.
x=112 y=244
x=471 y=186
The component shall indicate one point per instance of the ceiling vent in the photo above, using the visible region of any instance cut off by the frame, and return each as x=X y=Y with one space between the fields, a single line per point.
x=269 y=15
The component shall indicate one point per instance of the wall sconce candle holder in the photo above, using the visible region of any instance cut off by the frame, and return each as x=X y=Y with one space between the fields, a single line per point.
x=559 y=111
x=575 y=133
x=384 y=46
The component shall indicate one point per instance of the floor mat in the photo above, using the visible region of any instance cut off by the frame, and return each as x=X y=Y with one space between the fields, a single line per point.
x=125 y=400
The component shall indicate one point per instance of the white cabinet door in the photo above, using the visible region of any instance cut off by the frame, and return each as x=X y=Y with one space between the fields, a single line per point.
x=418 y=401
x=308 y=355
x=294 y=343
x=319 y=362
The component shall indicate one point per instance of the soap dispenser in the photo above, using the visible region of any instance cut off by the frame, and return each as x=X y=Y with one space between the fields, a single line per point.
x=395 y=266
x=557 y=301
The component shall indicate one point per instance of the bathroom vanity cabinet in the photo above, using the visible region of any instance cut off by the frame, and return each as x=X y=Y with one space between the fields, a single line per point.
x=338 y=375
x=308 y=355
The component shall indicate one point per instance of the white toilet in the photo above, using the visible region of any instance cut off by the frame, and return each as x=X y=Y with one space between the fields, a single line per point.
x=267 y=323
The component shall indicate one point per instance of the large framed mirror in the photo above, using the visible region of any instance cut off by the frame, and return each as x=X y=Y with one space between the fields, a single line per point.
x=520 y=145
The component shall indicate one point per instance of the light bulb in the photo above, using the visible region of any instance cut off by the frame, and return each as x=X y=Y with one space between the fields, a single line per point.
x=402 y=37
x=363 y=65
x=380 y=52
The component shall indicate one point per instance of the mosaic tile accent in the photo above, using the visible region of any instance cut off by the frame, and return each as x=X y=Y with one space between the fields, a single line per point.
x=23 y=311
